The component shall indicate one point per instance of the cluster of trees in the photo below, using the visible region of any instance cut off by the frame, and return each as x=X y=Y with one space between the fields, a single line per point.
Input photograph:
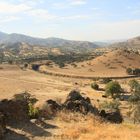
x=131 y=71
x=113 y=89
x=134 y=101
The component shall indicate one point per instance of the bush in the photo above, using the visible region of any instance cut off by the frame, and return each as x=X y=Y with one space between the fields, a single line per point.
x=133 y=85
x=113 y=89
x=135 y=71
x=25 y=65
x=106 y=80
x=26 y=97
x=35 y=67
x=110 y=106
x=95 y=86
x=33 y=112
x=129 y=71
x=134 y=101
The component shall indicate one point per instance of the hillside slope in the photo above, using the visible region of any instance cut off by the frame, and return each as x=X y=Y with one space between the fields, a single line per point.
x=111 y=64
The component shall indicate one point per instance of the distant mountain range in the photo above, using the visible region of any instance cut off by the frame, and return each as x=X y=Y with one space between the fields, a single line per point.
x=133 y=43
x=70 y=45
x=15 y=40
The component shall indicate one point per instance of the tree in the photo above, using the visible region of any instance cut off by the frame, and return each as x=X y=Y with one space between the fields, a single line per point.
x=129 y=71
x=133 y=85
x=113 y=89
x=25 y=65
x=134 y=101
x=95 y=86
x=35 y=67
x=136 y=71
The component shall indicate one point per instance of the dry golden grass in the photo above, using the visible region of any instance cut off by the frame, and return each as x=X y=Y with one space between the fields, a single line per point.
x=76 y=126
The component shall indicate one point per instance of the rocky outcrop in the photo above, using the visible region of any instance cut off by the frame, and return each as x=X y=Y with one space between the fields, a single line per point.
x=2 y=126
x=113 y=117
x=76 y=102
x=53 y=105
x=14 y=110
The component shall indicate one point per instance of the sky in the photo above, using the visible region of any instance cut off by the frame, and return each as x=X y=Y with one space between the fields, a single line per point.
x=91 y=20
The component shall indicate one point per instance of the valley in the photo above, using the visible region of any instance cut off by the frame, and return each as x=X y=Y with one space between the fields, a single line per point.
x=51 y=74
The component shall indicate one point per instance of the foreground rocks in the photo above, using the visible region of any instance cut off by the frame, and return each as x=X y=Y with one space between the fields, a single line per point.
x=75 y=102
x=14 y=110
x=2 y=126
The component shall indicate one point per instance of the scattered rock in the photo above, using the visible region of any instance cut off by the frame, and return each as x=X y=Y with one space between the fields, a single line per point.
x=113 y=117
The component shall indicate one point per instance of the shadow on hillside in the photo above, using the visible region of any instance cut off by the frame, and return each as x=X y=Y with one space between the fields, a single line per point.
x=125 y=97
x=11 y=135
x=49 y=126
x=101 y=89
x=32 y=128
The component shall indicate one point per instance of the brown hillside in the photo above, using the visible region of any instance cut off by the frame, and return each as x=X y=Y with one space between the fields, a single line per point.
x=112 y=64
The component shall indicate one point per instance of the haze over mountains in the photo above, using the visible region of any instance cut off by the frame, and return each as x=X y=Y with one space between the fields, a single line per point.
x=133 y=43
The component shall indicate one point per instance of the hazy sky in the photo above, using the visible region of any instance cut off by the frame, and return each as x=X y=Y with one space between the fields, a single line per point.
x=91 y=20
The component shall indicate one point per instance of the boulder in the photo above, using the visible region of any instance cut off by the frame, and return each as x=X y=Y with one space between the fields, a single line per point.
x=53 y=105
x=77 y=103
x=113 y=117
x=2 y=125
x=14 y=110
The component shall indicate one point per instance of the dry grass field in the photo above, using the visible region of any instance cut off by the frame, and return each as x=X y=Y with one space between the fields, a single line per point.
x=70 y=126
x=66 y=126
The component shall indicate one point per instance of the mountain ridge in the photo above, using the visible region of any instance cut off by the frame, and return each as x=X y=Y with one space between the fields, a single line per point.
x=46 y=42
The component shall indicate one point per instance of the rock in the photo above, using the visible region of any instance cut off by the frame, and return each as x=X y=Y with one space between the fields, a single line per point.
x=49 y=109
x=113 y=117
x=2 y=125
x=14 y=110
x=53 y=105
x=74 y=95
x=75 y=102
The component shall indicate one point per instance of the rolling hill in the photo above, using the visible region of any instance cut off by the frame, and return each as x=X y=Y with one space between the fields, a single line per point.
x=111 y=64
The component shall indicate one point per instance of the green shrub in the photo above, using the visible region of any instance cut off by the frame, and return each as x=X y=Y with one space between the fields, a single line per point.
x=129 y=71
x=113 y=89
x=33 y=112
x=95 y=86
x=106 y=80
x=133 y=85
x=30 y=101
x=111 y=106
x=134 y=101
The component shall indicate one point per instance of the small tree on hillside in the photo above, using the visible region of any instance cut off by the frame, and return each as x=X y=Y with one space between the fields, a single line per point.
x=129 y=71
x=134 y=101
x=133 y=85
x=113 y=89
